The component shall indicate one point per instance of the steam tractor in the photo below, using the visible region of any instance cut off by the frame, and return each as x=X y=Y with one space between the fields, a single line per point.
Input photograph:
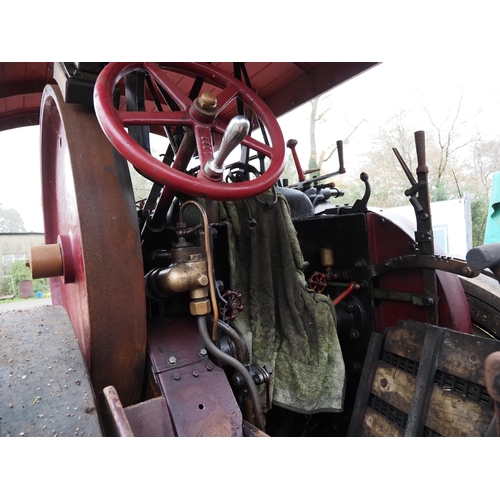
x=230 y=301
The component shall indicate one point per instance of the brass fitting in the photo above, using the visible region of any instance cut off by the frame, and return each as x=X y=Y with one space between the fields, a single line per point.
x=178 y=278
x=45 y=261
x=206 y=104
x=199 y=307
x=326 y=257
x=189 y=276
x=52 y=260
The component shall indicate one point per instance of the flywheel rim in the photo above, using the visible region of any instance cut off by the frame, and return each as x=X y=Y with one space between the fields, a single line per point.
x=86 y=198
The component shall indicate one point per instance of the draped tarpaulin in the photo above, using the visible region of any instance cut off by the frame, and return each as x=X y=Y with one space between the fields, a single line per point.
x=492 y=232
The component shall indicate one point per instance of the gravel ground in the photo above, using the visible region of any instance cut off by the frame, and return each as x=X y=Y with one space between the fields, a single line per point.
x=44 y=385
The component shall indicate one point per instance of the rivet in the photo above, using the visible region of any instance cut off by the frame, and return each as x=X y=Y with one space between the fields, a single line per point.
x=177 y=376
x=209 y=367
x=195 y=374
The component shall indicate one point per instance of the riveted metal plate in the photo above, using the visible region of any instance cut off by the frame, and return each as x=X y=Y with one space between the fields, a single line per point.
x=197 y=392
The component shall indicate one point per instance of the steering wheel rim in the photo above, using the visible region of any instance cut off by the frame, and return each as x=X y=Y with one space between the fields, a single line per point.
x=113 y=122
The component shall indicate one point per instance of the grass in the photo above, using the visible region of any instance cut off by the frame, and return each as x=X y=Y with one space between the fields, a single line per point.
x=45 y=295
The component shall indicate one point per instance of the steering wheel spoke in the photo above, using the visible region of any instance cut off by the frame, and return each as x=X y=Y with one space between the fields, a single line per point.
x=226 y=96
x=203 y=137
x=183 y=101
x=258 y=146
x=164 y=118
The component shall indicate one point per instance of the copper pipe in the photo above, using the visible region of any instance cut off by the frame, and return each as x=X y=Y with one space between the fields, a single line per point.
x=210 y=273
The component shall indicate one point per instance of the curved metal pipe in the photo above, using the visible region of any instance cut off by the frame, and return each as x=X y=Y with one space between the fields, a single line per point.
x=239 y=342
x=213 y=296
x=229 y=360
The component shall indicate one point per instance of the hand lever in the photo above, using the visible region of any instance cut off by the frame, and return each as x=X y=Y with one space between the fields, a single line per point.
x=235 y=132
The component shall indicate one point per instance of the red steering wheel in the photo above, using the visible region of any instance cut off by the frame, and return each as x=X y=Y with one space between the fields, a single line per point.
x=113 y=122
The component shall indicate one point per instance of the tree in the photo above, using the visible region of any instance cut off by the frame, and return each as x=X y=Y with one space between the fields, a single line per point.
x=449 y=136
x=11 y=221
x=458 y=162
x=20 y=272
x=319 y=117
x=475 y=175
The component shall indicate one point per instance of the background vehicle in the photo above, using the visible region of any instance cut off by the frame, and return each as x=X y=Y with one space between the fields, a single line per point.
x=230 y=302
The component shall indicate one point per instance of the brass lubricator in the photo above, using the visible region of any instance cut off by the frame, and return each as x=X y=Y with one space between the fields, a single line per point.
x=188 y=272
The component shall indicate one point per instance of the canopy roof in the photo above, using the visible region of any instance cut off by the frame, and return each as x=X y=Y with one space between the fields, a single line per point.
x=283 y=85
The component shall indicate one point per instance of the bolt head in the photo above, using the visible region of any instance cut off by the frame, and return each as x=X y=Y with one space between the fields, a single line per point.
x=207 y=100
x=203 y=280
x=206 y=104
x=172 y=360
x=199 y=307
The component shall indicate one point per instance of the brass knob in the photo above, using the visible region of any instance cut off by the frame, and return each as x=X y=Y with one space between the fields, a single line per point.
x=206 y=104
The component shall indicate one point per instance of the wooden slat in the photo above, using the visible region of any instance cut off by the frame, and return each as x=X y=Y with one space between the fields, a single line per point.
x=425 y=380
x=434 y=348
x=365 y=383
x=451 y=415
x=394 y=386
x=464 y=355
x=376 y=425
x=405 y=340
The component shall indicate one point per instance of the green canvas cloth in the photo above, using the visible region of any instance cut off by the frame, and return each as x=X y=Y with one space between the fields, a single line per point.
x=283 y=323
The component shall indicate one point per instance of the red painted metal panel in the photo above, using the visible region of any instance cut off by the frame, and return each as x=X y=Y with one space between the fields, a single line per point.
x=387 y=240
x=197 y=392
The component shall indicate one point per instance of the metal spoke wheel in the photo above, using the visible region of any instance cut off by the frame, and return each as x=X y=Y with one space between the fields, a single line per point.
x=89 y=210
x=189 y=115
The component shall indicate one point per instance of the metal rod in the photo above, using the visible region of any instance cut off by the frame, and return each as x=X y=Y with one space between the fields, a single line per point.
x=405 y=168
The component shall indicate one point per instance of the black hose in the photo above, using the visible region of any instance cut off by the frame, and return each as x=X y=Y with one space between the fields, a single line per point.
x=229 y=360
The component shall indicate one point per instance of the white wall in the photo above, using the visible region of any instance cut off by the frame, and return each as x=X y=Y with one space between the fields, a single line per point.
x=451 y=223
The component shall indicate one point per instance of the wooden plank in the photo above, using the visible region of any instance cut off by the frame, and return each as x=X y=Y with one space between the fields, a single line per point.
x=463 y=355
x=376 y=425
x=451 y=415
x=425 y=380
x=394 y=386
x=484 y=315
x=365 y=384
x=406 y=340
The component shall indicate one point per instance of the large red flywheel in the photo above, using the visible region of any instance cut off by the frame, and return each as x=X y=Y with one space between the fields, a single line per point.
x=89 y=210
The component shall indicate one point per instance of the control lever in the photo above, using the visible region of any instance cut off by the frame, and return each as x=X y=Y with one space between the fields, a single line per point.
x=291 y=143
x=235 y=132
x=340 y=151
x=485 y=256
x=306 y=183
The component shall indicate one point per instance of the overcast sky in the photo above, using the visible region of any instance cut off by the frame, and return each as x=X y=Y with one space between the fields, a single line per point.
x=370 y=99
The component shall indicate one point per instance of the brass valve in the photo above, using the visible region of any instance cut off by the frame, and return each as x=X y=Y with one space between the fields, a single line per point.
x=183 y=276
